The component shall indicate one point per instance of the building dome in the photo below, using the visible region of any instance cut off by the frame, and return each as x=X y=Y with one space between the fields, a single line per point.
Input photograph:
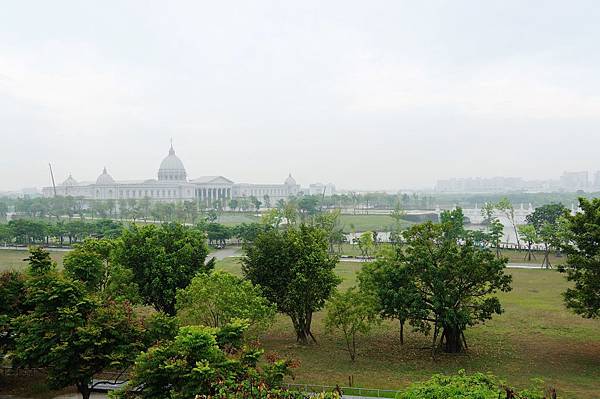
x=290 y=181
x=171 y=168
x=105 y=179
x=69 y=181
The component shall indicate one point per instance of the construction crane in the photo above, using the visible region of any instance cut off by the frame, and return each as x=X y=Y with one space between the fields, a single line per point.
x=52 y=176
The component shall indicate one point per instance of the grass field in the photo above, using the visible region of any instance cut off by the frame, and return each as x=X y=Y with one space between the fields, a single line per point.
x=235 y=218
x=536 y=337
x=369 y=222
x=12 y=259
x=513 y=256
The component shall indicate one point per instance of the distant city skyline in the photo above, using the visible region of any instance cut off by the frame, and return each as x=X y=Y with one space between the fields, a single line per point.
x=396 y=94
x=568 y=181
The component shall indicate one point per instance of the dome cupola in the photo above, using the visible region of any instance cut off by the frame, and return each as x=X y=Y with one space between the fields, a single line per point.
x=69 y=181
x=290 y=181
x=171 y=168
x=105 y=179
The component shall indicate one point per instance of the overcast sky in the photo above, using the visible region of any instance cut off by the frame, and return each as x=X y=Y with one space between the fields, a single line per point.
x=369 y=94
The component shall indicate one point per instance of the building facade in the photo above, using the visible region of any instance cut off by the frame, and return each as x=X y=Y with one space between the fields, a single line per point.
x=172 y=185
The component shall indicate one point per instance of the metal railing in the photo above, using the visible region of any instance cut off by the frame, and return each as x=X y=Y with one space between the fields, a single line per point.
x=353 y=391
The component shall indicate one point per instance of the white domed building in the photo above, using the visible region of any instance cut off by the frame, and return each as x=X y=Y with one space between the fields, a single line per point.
x=173 y=185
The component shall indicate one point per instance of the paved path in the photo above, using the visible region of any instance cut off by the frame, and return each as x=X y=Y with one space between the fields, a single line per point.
x=235 y=252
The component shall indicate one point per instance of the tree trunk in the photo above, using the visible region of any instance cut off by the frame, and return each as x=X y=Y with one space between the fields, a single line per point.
x=402 y=331
x=452 y=339
x=84 y=389
x=302 y=325
x=546 y=262
x=433 y=344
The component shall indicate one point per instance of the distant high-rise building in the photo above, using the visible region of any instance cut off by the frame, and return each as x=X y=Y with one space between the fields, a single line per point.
x=597 y=180
x=480 y=185
x=574 y=181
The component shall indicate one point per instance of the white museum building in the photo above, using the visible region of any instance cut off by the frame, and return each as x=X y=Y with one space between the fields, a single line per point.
x=173 y=185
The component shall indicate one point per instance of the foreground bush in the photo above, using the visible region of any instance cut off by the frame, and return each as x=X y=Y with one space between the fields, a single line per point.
x=465 y=386
x=208 y=363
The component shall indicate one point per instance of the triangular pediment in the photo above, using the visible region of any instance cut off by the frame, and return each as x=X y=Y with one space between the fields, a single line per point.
x=211 y=180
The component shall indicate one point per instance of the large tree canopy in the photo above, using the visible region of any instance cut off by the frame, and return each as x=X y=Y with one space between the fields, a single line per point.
x=204 y=362
x=295 y=270
x=163 y=259
x=583 y=259
x=388 y=280
x=219 y=298
x=442 y=280
x=71 y=334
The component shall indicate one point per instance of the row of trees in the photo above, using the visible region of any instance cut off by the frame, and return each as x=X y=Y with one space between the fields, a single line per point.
x=144 y=208
x=69 y=232
x=30 y=231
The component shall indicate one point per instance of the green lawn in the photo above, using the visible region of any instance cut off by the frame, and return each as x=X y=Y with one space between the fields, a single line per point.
x=535 y=337
x=11 y=259
x=513 y=256
x=369 y=222
x=235 y=218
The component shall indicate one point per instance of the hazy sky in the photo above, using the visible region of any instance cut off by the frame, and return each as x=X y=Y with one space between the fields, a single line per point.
x=369 y=94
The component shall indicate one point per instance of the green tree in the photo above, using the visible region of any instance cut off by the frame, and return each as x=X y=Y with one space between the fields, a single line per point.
x=366 y=244
x=454 y=221
x=487 y=212
x=307 y=207
x=353 y=313
x=397 y=214
x=39 y=261
x=12 y=304
x=272 y=218
x=219 y=298
x=205 y=362
x=583 y=259
x=233 y=204
x=495 y=233
x=295 y=271
x=6 y=235
x=546 y=221
x=217 y=233
x=530 y=236
x=256 y=203
x=85 y=266
x=71 y=335
x=390 y=282
x=508 y=210
x=162 y=259
x=467 y=386
x=456 y=282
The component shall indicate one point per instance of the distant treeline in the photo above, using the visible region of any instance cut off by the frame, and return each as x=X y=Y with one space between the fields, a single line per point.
x=67 y=232
x=192 y=211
